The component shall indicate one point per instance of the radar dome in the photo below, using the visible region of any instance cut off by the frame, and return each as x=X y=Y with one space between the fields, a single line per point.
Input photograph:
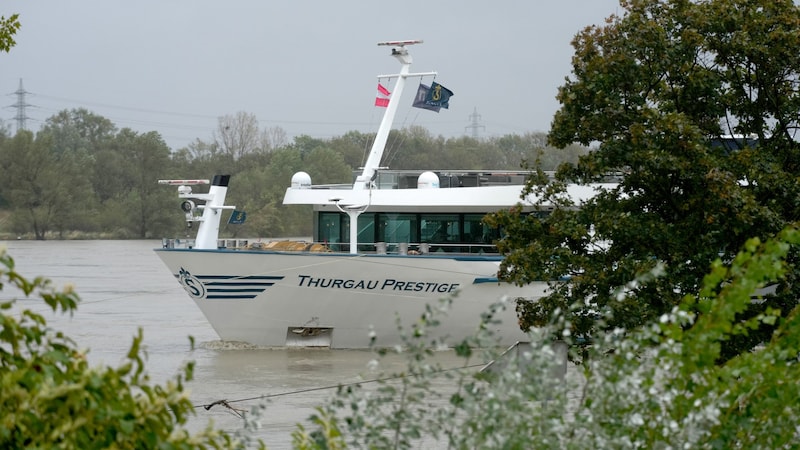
x=428 y=180
x=301 y=180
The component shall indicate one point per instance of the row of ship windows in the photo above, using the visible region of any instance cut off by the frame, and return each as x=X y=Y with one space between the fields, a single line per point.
x=440 y=232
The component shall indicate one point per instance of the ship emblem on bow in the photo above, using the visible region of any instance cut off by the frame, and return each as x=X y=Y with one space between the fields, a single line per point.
x=225 y=287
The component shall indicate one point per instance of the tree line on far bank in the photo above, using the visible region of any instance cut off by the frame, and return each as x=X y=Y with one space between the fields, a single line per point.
x=80 y=176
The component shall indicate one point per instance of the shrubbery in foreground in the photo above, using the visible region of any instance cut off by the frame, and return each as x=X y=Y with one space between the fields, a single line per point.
x=51 y=398
x=661 y=386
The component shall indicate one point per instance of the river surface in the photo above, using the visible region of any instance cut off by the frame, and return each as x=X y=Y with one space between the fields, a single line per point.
x=124 y=286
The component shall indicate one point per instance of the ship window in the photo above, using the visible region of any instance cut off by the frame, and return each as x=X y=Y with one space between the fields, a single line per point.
x=334 y=229
x=330 y=230
x=440 y=229
x=475 y=231
x=478 y=235
x=366 y=232
x=394 y=228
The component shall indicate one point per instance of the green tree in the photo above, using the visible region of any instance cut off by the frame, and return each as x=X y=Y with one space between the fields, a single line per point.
x=79 y=129
x=659 y=88
x=470 y=153
x=76 y=139
x=515 y=148
x=149 y=159
x=139 y=203
x=306 y=154
x=80 y=136
x=8 y=28
x=38 y=193
x=305 y=144
x=293 y=220
x=326 y=167
x=415 y=148
x=51 y=398
x=353 y=146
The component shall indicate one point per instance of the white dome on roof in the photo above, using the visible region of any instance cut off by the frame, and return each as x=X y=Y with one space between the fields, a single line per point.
x=428 y=180
x=301 y=180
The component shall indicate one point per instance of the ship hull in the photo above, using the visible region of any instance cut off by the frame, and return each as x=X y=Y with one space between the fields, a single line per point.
x=337 y=300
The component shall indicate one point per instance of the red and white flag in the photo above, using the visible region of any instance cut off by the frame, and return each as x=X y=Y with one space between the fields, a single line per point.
x=382 y=99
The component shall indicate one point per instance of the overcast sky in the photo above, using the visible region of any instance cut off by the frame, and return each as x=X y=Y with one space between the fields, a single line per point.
x=309 y=67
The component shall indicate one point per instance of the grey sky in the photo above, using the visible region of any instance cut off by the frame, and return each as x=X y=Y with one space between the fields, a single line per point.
x=309 y=67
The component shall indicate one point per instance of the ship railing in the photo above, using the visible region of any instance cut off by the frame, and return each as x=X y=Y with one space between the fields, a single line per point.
x=177 y=243
x=331 y=186
x=190 y=242
x=423 y=248
x=381 y=248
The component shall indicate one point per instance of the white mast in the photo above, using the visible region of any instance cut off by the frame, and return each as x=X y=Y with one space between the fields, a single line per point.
x=376 y=153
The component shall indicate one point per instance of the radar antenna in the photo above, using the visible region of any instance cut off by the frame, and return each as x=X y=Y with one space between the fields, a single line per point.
x=401 y=43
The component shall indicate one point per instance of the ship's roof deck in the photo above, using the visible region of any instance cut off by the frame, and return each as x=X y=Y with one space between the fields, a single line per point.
x=407 y=179
x=451 y=178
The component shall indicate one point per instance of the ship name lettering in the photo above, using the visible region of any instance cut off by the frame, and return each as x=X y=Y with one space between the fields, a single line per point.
x=418 y=286
x=388 y=284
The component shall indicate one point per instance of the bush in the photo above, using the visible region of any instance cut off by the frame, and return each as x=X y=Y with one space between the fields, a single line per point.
x=51 y=398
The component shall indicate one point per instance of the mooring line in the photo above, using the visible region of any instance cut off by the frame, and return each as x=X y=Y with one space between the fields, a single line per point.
x=227 y=403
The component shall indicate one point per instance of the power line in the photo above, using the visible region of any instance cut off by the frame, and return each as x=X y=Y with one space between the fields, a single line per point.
x=127 y=108
x=167 y=123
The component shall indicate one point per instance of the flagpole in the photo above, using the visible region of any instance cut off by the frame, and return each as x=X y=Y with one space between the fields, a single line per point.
x=376 y=152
